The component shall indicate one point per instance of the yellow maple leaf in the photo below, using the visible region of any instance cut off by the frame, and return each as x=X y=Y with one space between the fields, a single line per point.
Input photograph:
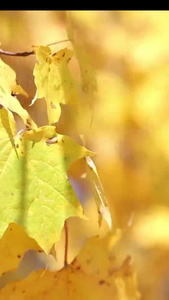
x=94 y=274
x=54 y=81
x=13 y=244
x=9 y=89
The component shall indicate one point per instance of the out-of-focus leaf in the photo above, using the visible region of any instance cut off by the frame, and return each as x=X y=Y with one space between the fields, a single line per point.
x=152 y=229
x=88 y=76
x=88 y=79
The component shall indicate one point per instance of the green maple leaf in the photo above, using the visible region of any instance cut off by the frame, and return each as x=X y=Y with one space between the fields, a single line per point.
x=35 y=190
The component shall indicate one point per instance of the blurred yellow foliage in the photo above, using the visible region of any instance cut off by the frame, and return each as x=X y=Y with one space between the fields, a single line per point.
x=152 y=228
x=129 y=124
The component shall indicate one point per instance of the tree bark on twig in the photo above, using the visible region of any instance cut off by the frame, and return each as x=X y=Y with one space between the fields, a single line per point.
x=27 y=53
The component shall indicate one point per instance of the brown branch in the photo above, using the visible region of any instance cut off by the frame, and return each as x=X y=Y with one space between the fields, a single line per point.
x=27 y=53
x=63 y=41
x=66 y=245
x=9 y=53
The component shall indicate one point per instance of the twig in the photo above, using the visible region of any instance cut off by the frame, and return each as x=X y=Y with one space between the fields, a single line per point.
x=66 y=245
x=9 y=53
x=27 y=53
x=63 y=41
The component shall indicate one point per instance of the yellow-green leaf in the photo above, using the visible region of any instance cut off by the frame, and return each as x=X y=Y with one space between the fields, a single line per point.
x=35 y=190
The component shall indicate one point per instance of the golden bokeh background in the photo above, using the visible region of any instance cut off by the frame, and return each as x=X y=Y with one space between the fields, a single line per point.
x=129 y=51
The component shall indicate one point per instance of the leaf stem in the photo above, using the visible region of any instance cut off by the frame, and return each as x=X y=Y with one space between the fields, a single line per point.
x=63 y=41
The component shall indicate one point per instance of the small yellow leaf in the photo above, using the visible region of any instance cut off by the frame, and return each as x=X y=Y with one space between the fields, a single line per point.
x=8 y=91
x=8 y=123
x=102 y=206
x=54 y=81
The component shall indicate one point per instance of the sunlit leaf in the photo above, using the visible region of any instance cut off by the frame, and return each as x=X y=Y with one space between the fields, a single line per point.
x=33 y=177
x=20 y=255
x=101 y=202
x=94 y=273
x=54 y=81
x=13 y=244
x=8 y=91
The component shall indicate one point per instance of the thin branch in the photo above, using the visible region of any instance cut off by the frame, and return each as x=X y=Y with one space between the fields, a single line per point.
x=63 y=41
x=27 y=53
x=66 y=245
x=9 y=53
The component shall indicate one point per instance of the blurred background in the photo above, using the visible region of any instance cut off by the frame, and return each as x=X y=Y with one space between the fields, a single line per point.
x=129 y=51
